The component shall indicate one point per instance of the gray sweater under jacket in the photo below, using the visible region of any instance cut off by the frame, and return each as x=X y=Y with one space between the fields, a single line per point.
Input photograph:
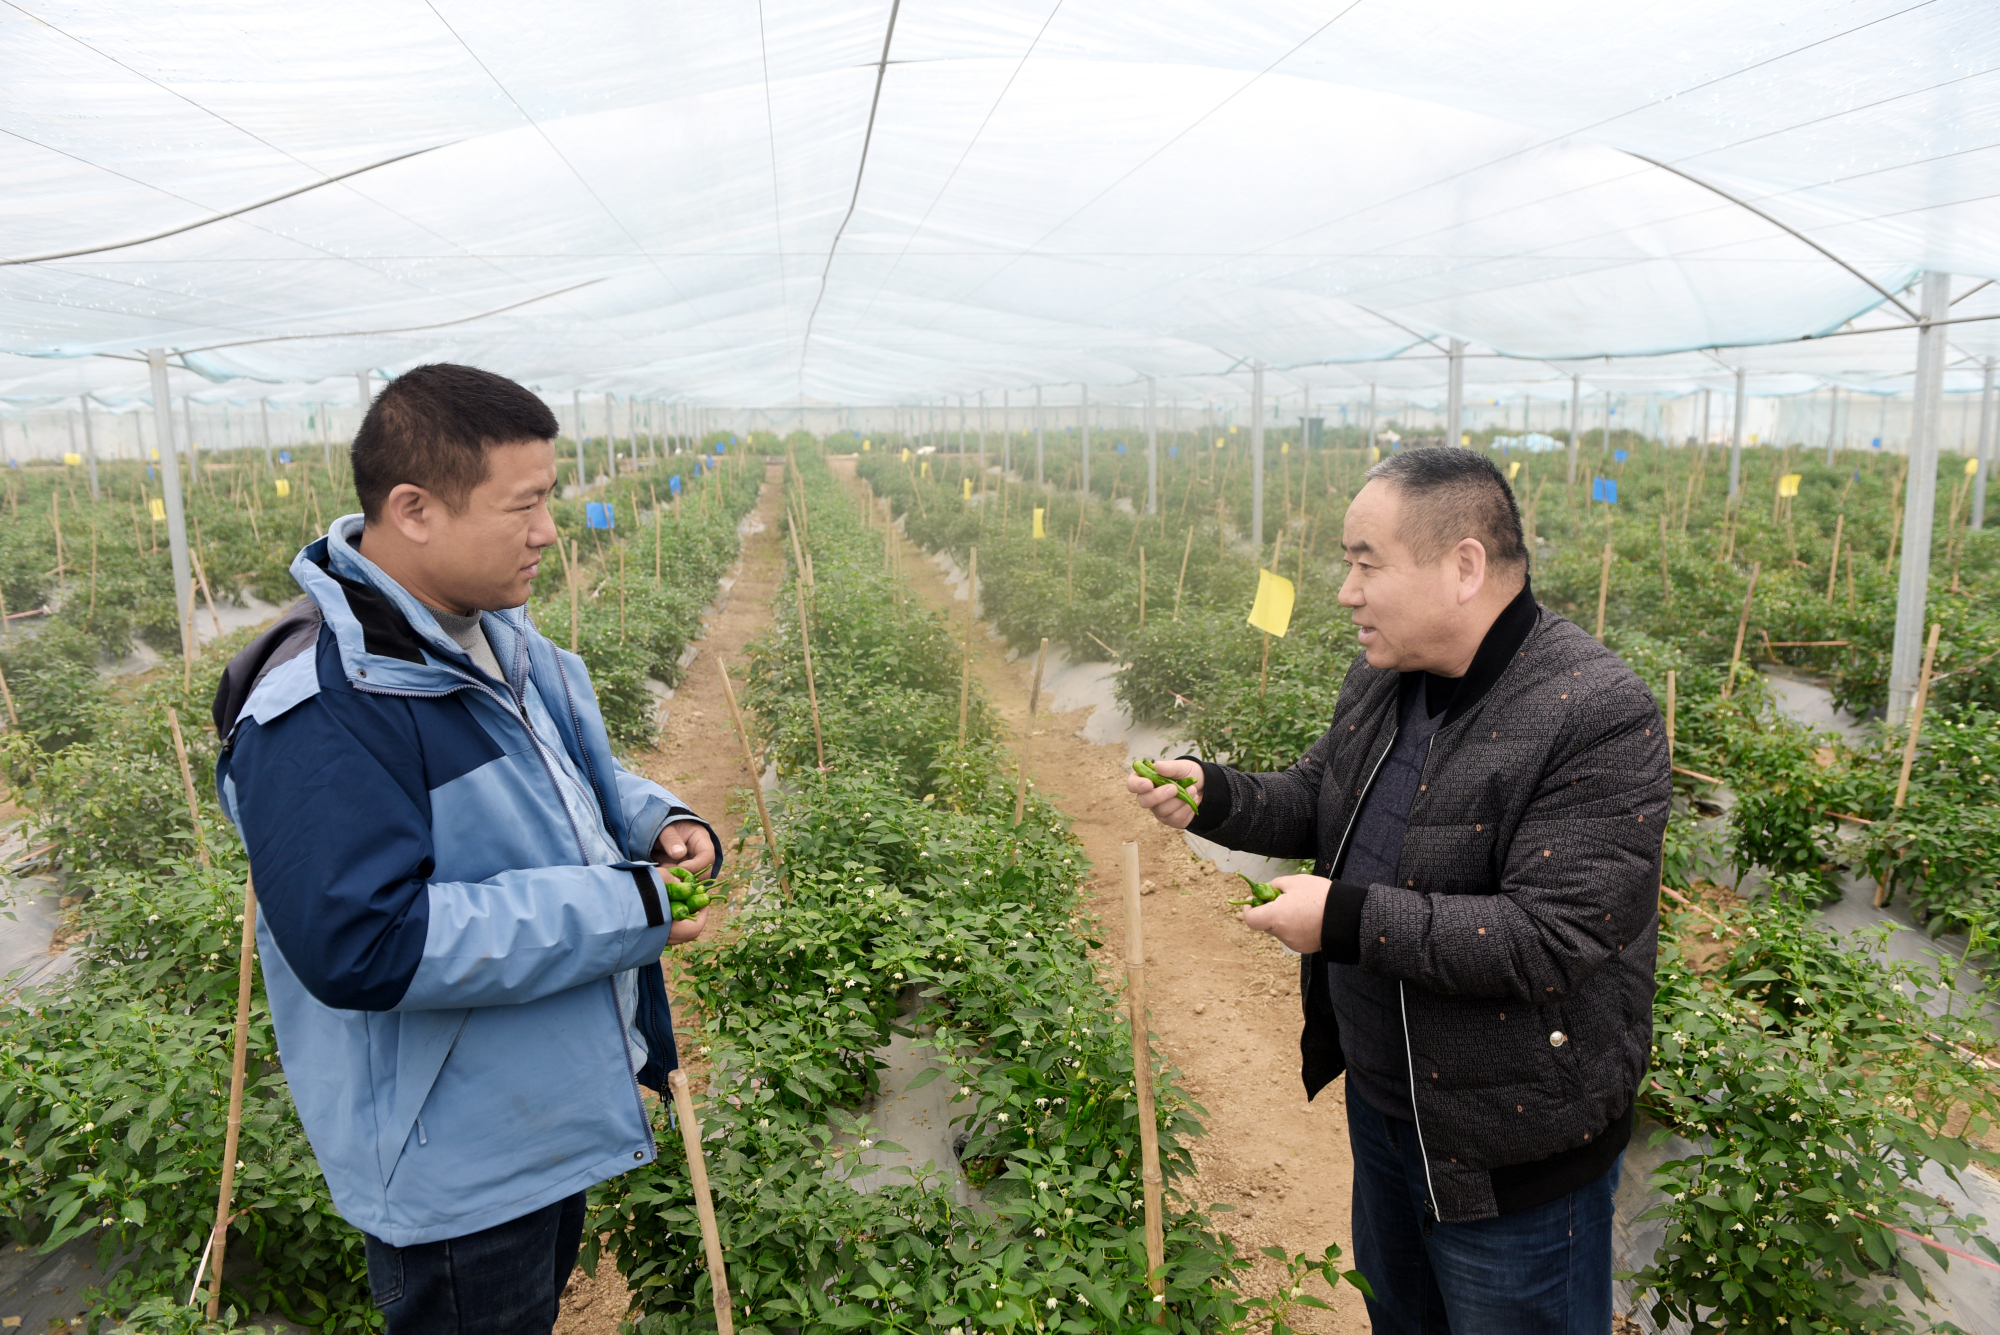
x=1523 y=924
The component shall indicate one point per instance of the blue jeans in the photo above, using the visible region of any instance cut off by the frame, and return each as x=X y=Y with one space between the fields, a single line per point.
x=1545 y=1270
x=504 y=1280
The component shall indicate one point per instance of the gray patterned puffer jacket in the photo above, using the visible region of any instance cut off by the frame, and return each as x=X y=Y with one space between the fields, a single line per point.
x=1524 y=919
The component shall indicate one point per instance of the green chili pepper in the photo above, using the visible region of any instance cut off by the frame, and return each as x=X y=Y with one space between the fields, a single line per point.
x=1150 y=771
x=1261 y=892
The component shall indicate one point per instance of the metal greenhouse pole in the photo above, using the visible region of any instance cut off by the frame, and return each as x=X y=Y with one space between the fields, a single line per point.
x=1257 y=459
x=89 y=442
x=264 y=430
x=576 y=412
x=1083 y=434
x=1919 y=497
x=1371 y=415
x=1575 y=415
x=1832 y=421
x=1736 y=441
x=1038 y=435
x=1455 y=394
x=1006 y=432
x=1983 y=452
x=1152 y=448
x=170 y=487
x=610 y=435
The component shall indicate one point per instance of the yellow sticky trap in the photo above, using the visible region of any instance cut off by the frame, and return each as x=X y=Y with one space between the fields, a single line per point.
x=906 y=454
x=1040 y=532
x=153 y=454
x=1218 y=442
x=1284 y=447
x=1788 y=485
x=157 y=508
x=1513 y=470
x=72 y=459
x=924 y=469
x=1465 y=437
x=864 y=446
x=968 y=488
x=1272 y=612
x=284 y=486
x=1971 y=466
x=1374 y=454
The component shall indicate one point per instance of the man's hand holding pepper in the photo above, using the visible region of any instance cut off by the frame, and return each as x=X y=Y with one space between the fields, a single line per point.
x=688 y=844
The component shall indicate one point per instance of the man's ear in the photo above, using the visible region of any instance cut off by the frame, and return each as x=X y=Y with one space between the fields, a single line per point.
x=409 y=509
x=1472 y=569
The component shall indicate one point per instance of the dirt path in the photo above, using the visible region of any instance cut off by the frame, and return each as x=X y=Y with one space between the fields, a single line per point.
x=1224 y=999
x=698 y=759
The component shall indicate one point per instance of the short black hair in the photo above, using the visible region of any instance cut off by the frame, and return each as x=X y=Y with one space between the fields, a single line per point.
x=432 y=426
x=1450 y=494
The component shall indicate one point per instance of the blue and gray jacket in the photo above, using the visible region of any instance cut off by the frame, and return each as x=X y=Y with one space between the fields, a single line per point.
x=459 y=927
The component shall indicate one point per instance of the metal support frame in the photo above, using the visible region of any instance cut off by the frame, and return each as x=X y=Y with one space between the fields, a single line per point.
x=1454 y=432
x=89 y=442
x=1736 y=440
x=1257 y=458
x=1083 y=433
x=1983 y=452
x=170 y=491
x=576 y=412
x=1152 y=448
x=1575 y=422
x=610 y=437
x=1919 y=498
x=264 y=430
x=1038 y=435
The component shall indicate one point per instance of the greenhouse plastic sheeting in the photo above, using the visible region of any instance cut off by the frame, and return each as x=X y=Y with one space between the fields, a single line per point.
x=873 y=202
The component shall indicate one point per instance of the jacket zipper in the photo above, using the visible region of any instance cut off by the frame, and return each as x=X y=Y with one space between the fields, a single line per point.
x=1409 y=1056
x=533 y=737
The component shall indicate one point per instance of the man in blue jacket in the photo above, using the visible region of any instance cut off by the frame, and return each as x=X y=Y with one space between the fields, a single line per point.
x=461 y=919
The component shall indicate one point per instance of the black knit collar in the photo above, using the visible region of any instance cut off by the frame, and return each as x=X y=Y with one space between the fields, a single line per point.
x=1504 y=639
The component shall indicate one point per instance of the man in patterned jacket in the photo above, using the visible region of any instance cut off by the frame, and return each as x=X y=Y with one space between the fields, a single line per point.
x=1484 y=818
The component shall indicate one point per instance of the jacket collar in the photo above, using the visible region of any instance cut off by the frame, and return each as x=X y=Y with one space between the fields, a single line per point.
x=386 y=637
x=1504 y=638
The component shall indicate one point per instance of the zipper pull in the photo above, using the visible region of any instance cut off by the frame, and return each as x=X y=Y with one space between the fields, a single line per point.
x=1430 y=1217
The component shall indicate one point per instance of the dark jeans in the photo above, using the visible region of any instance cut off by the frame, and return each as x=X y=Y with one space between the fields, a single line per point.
x=1540 y=1271
x=505 y=1280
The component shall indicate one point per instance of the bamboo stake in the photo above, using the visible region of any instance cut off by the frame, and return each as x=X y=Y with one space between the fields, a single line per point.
x=659 y=522
x=965 y=665
x=1142 y=588
x=1742 y=627
x=1666 y=576
x=1833 y=565
x=1603 y=591
x=756 y=778
x=91 y=616
x=1670 y=716
x=704 y=1204
x=1910 y=747
x=208 y=594
x=812 y=690
x=1142 y=1086
x=55 y=523
x=1028 y=737
x=187 y=784
x=218 y=1240
x=621 y=593
x=1181 y=583
x=13 y=715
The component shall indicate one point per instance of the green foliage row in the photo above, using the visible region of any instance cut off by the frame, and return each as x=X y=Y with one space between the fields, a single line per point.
x=916 y=906
x=1819 y=1084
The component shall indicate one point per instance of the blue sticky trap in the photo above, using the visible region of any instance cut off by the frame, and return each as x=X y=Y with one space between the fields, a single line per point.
x=1621 y=455
x=1857 y=475
x=1121 y=447
x=597 y=514
x=1173 y=451
x=149 y=471
x=719 y=447
x=1875 y=444
x=674 y=485
x=1604 y=489
x=284 y=456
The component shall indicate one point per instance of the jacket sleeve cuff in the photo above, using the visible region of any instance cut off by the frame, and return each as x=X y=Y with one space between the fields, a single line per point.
x=649 y=895
x=1215 y=796
x=1340 y=929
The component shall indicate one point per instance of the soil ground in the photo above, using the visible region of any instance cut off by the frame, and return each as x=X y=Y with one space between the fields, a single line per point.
x=1223 y=998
